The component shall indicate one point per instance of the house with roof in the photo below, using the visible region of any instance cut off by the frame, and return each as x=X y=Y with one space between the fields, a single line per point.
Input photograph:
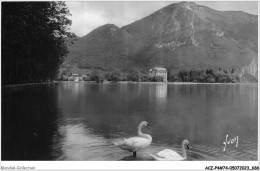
x=158 y=71
x=76 y=77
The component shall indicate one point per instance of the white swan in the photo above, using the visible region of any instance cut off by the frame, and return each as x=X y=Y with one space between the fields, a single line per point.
x=168 y=154
x=133 y=144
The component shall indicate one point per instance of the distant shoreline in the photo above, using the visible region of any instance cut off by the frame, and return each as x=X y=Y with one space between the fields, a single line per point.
x=112 y=82
x=25 y=84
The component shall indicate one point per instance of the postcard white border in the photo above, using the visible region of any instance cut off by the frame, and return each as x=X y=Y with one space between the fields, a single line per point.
x=134 y=165
x=126 y=165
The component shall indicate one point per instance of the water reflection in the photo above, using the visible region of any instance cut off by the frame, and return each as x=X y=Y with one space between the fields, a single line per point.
x=79 y=121
x=174 y=112
x=28 y=122
x=161 y=93
x=75 y=138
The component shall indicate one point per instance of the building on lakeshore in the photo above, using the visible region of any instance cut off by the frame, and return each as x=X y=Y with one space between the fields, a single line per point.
x=64 y=78
x=85 y=78
x=158 y=71
x=75 y=77
x=70 y=79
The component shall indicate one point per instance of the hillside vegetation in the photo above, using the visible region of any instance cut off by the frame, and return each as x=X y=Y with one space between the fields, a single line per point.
x=180 y=36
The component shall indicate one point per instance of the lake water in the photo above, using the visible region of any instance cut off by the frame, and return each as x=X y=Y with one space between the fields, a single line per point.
x=79 y=121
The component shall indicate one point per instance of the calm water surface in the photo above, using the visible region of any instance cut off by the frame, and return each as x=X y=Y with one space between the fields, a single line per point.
x=79 y=121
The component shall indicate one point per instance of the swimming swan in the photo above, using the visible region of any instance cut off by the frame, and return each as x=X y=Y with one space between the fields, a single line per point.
x=134 y=144
x=168 y=154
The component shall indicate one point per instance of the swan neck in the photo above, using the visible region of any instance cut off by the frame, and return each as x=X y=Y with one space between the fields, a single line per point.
x=140 y=134
x=139 y=130
x=184 y=151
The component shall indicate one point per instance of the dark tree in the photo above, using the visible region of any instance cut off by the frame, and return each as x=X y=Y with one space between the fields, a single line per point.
x=107 y=76
x=210 y=79
x=144 y=78
x=97 y=76
x=184 y=75
x=158 y=79
x=134 y=75
x=34 y=37
x=173 y=75
x=232 y=71
x=210 y=71
x=116 y=75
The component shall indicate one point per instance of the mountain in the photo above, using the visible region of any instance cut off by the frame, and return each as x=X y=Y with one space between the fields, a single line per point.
x=105 y=47
x=181 y=35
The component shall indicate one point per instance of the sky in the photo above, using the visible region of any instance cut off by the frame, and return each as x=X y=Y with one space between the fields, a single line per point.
x=88 y=15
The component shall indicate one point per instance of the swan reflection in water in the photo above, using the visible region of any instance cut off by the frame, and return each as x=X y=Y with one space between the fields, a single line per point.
x=141 y=157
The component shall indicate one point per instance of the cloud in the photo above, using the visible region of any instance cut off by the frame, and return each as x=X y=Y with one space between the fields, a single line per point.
x=85 y=22
x=87 y=15
x=83 y=18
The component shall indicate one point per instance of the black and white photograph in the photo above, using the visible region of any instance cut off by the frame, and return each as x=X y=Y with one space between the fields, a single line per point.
x=133 y=81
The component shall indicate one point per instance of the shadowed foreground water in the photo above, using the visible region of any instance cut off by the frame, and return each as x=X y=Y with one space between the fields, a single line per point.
x=79 y=121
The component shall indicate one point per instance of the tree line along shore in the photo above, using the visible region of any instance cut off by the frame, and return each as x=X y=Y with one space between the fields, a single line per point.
x=139 y=75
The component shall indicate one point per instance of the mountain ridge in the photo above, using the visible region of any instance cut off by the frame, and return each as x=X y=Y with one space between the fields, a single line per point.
x=180 y=35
